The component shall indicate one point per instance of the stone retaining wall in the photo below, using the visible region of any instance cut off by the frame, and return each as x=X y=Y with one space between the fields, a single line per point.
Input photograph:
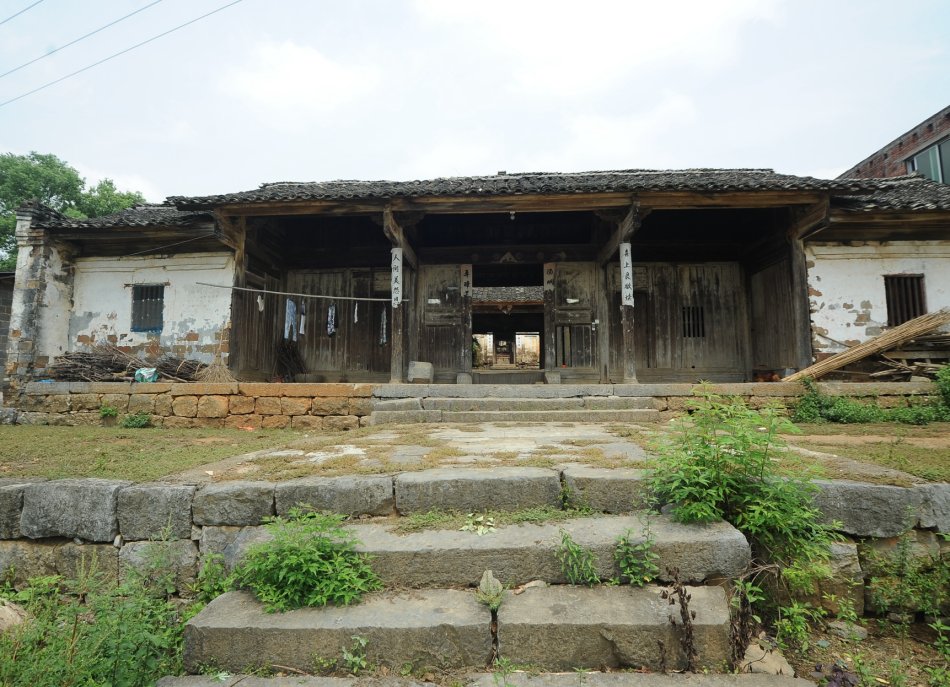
x=57 y=526
x=236 y=405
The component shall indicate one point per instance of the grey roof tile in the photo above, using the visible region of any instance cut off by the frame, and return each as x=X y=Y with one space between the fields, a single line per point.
x=137 y=216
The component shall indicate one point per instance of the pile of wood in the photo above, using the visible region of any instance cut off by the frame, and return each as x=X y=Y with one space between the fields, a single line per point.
x=921 y=331
x=107 y=363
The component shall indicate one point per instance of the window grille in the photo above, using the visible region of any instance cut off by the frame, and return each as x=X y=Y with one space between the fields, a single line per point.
x=694 y=322
x=904 y=294
x=148 y=301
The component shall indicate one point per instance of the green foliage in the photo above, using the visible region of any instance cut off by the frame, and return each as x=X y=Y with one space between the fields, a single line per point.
x=906 y=583
x=636 y=558
x=311 y=561
x=939 y=676
x=479 y=523
x=815 y=407
x=793 y=626
x=56 y=184
x=82 y=632
x=578 y=564
x=213 y=579
x=490 y=591
x=354 y=658
x=136 y=421
x=108 y=411
x=719 y=463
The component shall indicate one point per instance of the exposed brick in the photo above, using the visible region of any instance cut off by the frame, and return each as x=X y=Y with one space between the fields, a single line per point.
x=118 y=401
x=142 y=403
x=213 y=406
x=306 y=422
x=267 y=405
x=243 y=421
x=163 y=405
x=275 y=421
x=330 y=406
x=185 y=406
x=294 y=406
x=240 y=405
x=338 y=422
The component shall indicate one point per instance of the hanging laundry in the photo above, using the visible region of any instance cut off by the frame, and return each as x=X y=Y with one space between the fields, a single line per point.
x=260 y=303
x=290 y=320
x=303 y=319
x=382 y=328
x=356 y=312
x=331 y=319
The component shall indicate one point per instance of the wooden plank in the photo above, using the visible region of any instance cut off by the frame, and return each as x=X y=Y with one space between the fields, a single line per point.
x=550 y=332
x=466 y=312
x=810 y=220
x=625 y=230
x=397 y=237
x=801 y=312
x=627 y=325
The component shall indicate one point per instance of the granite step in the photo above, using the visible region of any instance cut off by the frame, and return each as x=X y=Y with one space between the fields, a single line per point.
x=634 y=415
x=534 y=404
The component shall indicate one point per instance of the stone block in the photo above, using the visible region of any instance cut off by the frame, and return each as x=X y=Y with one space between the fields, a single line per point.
x=921 y=546
x=469 y=489
x=420 y=372
x=370 y=495
x=358 y=406
x=109 y=387
x=338 y=423
x=155 y=511
x=164 y=405
x=155 y=560
x=566 y=627
x=210 y=422
x=935 y=510
x=294 y=406
x=869 y=510
x=57 y=404
x=213 y=406
x=276 y=421
x=552 y=377
x=267 y=405
x=440 y=628
x=242 y=421
x=73 y=508
x=204 y=389
x=463 y=378
x=22 y=559
x=405 y=417
x=185 y=406
x=614 y=490
x=73 y=560
x=314 y=390
x=240 y=405
x=46 y=388
x=151 y=388
x=11 y=505
x=117 y=401
x=233 y=503
x=397 y=404
x=215 y=539
x=175 y=422
x=80 y=402
x=142 y=403
x=304 y=422
x=329 y=406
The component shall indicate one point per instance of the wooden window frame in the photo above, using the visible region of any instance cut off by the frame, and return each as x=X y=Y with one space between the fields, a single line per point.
x=905 y=296
x=148 y=308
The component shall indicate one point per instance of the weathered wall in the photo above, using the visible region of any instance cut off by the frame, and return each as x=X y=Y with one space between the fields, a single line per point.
x=846 y=286
x=194 y=316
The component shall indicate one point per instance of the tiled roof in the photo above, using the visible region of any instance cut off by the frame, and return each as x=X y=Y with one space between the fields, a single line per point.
x=137 y=216
x=631 y=180
x=909 y=193
x=508 y=294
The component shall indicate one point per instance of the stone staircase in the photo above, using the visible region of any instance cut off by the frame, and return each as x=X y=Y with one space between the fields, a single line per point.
x=412 y=403
x=428 y=621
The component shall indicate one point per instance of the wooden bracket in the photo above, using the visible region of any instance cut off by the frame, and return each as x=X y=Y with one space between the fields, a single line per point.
x=397 y=236
x=810 y=220
x=625 y=230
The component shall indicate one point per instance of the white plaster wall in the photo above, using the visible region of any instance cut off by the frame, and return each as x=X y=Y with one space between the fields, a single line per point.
x=193 y=317
x=54 y=309
x=846 y=285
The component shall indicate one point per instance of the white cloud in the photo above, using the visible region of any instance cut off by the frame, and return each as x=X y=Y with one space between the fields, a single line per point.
x=291 y=81
x=123 y=181
x=455 y=153
x=569 y=48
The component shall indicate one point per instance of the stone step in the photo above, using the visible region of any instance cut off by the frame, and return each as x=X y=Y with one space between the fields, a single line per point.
x=522 y=553
x=383 y=417
x=534 y=404
x=518 y=678
x=550 y=628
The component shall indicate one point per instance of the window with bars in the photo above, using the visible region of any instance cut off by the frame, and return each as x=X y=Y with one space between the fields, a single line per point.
x=148 y=302
x=904 y=294
x=694 y=322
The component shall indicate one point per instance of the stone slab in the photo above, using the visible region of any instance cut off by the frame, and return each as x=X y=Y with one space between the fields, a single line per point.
x=521 y=553
x=350 y=495
x=935 y=509
x=11 y=505
x=397 y=404
x=420 y=372
x=233 y=503
x=467 y=489
x=155 y=511
x=434 y=628
x=869 y=510
x=74 y=508
x=636 y=415
x=23 y=560
x=566 y=627
x=401 y=417
x=607 y=490
x=496 y=404
x=153 y=559
x=618 y=403
x=633 y=679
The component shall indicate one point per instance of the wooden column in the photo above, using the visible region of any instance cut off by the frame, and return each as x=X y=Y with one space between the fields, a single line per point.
x=626 y=314
x=801 y=308
x=465 y=291
x=550 y=348
x=397 y=367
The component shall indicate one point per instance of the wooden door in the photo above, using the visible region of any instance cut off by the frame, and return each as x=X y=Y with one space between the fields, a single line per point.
x=442 y=323
x=576 y=304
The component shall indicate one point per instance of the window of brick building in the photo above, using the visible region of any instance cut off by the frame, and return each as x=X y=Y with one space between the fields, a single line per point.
x=905 y=297
x=148 y=304
x=933 y=162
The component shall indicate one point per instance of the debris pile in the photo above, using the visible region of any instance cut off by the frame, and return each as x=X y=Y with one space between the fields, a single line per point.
x=107 y=363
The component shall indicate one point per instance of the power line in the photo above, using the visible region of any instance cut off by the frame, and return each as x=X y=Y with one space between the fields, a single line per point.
x=14 y=16
x=81 y=38
x=299 y=295
x=121 y=52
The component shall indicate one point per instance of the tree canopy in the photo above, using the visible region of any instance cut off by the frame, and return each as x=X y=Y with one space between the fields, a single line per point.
x=54 y=183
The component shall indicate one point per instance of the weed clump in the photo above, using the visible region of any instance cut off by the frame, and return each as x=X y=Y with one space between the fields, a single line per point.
x=815 y=407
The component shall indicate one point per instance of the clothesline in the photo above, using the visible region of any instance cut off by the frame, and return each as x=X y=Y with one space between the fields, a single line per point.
x=300 y=295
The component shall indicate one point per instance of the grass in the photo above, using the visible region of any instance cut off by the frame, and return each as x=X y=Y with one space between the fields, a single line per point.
x=132 y=454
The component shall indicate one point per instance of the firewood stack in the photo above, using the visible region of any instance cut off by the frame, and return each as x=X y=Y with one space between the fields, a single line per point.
x=106 y=363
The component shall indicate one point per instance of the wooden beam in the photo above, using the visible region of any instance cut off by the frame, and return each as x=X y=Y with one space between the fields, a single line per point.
x=810 y=220
x=801 y=308
x=686 y=200
x=625 y=230
x=397 y=237
x=550 y=332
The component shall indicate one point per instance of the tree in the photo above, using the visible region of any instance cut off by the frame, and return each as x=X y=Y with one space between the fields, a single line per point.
x=56 y=184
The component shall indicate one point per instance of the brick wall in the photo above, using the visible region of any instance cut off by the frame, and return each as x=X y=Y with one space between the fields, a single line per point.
x=890 y=161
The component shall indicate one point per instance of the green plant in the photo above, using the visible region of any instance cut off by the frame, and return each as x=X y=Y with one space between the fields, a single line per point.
x=478 y=523
x=677 y=594
x=213 y=579
x=793 y=626
x=311 y=561
x=905 y=583
x=939 y=676
x=816 y=407
x=943 y=384
x=578 y=564
x=108 y=411
x=490 y=591
x=636 y=558
x=136 y=421
x=354 y=658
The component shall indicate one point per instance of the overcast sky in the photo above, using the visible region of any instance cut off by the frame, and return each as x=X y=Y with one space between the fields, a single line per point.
x=278 y=90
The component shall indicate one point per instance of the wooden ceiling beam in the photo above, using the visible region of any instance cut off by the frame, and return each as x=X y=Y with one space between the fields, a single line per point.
x=397 y=236
x=810 y=220
x=626 y=228
x=691 y=200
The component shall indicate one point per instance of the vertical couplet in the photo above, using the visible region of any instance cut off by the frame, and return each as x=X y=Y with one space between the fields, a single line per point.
x=397 y=365
x=626 y=314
